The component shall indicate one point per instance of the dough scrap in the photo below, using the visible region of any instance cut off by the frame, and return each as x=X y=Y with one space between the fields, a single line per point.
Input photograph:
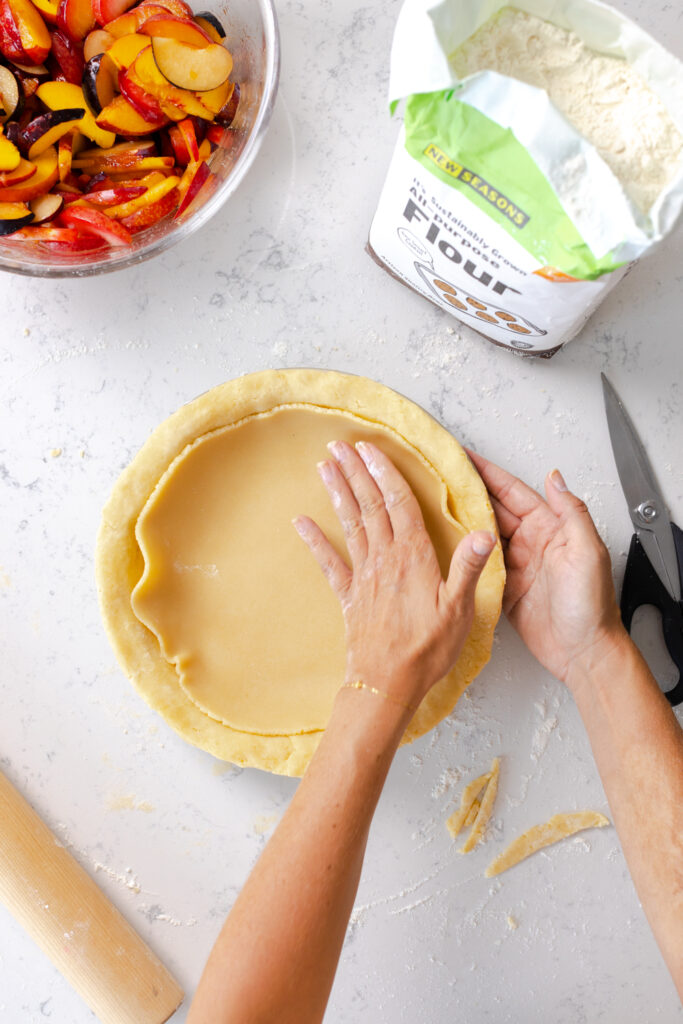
x=468 y=802
x=485 y=810
x=559 y=827
x=472 y=816
x=120 y=563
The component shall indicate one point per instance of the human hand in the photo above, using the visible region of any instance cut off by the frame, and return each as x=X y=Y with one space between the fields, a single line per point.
x=405 y=624
x=559 y=594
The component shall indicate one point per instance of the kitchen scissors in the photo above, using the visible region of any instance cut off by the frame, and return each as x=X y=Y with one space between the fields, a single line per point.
x=654 y=568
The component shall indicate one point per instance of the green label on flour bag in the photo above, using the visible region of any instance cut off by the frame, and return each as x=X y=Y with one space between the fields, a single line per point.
x=470 y=152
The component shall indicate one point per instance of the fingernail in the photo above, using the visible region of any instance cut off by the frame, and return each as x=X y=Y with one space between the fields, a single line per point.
x=367 y=455
x=325 y=470
x=337 y=449
x=300 y=525
x=558 y=480
x=483 y=543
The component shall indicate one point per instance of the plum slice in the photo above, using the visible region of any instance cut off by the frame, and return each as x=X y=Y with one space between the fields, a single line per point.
x=187 y=67
x=46 y=129
x=97 y=41
x=99 y=79
x=211 y=25
x=14 y=216
x=10 y=95
x=44 y=207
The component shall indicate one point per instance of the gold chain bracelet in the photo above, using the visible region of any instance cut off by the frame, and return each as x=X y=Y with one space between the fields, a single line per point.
x=358 y=684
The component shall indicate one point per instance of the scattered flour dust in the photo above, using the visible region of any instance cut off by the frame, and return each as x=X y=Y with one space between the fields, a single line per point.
x=128 y=880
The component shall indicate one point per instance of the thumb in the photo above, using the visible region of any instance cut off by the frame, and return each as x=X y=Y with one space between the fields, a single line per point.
x=565 y=504
x=467 y=563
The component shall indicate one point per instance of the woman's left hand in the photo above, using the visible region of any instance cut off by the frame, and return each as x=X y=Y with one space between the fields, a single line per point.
x=405 y=624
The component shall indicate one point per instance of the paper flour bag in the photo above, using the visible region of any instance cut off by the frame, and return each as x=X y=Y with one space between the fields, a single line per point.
x=541 y=154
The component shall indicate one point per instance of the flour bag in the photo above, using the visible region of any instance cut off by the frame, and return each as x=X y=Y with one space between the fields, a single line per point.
x=541 y=155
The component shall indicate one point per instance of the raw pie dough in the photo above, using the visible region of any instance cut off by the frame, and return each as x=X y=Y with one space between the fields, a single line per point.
x=215 y=608
x=559 y=827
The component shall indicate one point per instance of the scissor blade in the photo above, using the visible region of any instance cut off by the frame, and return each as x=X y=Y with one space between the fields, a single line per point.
x=639 y=486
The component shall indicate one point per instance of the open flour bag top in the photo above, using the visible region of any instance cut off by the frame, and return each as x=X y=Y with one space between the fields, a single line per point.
x=541 y=154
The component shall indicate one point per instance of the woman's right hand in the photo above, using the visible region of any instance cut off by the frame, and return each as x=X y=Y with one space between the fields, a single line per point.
x=559 y=594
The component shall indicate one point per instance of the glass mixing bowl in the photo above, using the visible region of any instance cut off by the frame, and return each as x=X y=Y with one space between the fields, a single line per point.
x=253 y=40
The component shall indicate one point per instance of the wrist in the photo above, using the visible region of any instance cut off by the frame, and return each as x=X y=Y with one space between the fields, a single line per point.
x=368 y=718
x=602 y=662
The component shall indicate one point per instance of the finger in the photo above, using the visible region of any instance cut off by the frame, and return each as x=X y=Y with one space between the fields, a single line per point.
x=567 y=506
x=403 y=507
x=509 y=491
x=335 y=569
x=467 y=563
x=346 y=508
x=507 y=522
x=366 y=492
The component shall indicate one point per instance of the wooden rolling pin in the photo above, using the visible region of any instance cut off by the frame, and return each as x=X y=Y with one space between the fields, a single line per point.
x=74 y=923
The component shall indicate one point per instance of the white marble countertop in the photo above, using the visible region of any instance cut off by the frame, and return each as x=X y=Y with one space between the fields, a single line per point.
x=280 y=278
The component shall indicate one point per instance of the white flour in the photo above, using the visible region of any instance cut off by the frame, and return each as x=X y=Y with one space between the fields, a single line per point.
x=604 y=98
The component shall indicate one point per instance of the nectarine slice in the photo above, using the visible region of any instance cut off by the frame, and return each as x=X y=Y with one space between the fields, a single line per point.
x=58 y=95
x=123 y=119
x=93 y=222
x=75 y=17
x=181 y=29
x=10 y=157
x=33 y=32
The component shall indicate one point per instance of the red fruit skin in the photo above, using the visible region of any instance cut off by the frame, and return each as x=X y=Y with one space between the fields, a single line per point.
x=183 y=29
x=140 y=100
x=149 y=215
x=180 y=150
x=200 y=128
x=10 y=39
x=217 y=135
x=94 y=222
x=186 y=129
x=114 y=196
x=69 y=56
x=201 y=174
x=177 y=7
x=75 y=18
x=107 y=10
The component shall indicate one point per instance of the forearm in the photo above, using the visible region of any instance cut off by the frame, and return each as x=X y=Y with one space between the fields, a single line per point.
x=638 y=747
x=276 y=957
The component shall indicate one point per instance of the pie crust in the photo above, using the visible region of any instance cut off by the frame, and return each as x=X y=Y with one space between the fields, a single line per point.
x=243 y=450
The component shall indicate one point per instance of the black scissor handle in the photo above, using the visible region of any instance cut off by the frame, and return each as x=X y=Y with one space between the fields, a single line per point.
x=643 y=586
